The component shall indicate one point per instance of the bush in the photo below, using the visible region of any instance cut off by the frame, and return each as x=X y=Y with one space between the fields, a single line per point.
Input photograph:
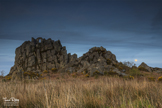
x=45 y=71
x=151 y=78
x=3 y=80
x=120 y=68
x=108 y=61
x=105 y=73
x=129 y=77
x=31 y=74
x=54 y=69
x=8 y=77
x=129 y=64
x=96 y=72
x=74 y=75
x=142 y=69
x=87 y=75
x=160 y=78
x=111 y=73
x=135 y=72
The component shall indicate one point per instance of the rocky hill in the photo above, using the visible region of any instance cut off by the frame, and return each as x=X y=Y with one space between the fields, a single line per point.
x=40 y=54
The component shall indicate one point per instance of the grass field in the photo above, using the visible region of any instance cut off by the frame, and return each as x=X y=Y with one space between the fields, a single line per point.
x=103 y=92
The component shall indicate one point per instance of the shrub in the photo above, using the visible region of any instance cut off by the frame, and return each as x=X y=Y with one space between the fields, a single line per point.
x=74 y=74
x=142 y=68
x=45 y=71
x=135 y=72
x=87 y=75
x=26 y=73
x=108 y=61
x=96 y=72
x=151 y=78
x=129 y=77
x=97 y=49
x=105 y=73
x=54 y=69
x=120 y=68
x=8 y=77
x=31 y=74
x=160 y=78
x=112 y=73
x=3 y=80
x=115 y=65
x=129 y=64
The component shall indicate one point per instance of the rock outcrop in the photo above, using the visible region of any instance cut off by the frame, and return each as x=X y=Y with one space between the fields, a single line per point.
x=96 y=59
x=40 y=54
x=146 y=67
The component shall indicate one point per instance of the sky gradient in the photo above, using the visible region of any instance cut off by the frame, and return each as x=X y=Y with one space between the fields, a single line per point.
x=130 y=29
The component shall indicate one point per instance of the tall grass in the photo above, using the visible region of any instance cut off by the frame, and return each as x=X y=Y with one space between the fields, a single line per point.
x=104 y=92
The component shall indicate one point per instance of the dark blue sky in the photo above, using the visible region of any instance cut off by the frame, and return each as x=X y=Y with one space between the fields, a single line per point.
x=131 y=29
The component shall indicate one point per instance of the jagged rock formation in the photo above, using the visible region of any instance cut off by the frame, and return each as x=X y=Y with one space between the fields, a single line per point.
x=37 y=56
x=41 y=54
x=145 y=66
x=96 y=59
x=150 y=69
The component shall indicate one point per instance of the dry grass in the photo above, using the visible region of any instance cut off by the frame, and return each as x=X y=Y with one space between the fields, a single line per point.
x=104 y=92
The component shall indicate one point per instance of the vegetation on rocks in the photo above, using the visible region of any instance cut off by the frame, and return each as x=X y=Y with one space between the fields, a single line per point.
x=108 y=61
x=142 y=68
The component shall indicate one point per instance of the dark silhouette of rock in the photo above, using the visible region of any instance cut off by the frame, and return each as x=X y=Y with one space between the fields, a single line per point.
x=41 y=54
x=44 y=55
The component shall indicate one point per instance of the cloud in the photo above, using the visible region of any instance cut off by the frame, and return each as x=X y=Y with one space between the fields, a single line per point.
x=157 y=21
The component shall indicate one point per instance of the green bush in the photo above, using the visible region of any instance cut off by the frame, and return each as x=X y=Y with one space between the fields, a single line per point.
x=135 y=72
